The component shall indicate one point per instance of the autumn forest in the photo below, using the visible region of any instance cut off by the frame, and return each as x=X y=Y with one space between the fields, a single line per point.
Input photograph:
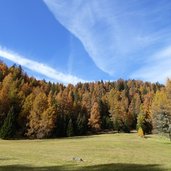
x=31 y=108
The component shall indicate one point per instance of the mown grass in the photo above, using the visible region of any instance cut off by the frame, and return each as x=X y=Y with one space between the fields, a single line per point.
x=108 y=152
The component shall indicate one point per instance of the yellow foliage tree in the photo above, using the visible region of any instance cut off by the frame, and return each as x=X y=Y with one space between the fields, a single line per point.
x=94 y=120
x=140 y=132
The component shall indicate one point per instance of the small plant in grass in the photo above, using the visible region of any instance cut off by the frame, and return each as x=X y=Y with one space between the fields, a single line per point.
x=140 y=132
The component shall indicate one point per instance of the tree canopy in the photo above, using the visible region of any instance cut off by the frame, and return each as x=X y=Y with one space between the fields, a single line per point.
x=33 y=108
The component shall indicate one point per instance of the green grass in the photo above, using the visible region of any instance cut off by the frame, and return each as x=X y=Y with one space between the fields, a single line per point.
x=117 y=152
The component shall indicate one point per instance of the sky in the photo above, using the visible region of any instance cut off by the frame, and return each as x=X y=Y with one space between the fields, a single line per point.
x=87 y=40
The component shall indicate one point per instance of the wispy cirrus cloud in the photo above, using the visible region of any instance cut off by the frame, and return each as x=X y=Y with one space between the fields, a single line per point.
x=157 y=67
x=120 y=36
x=38 y=67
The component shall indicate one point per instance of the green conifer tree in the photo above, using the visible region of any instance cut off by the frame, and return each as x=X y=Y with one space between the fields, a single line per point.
x=8 y=128
x=81 y=124
x=70 y=130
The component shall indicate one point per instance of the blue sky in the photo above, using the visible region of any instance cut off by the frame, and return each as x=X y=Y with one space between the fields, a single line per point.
x=87 y=40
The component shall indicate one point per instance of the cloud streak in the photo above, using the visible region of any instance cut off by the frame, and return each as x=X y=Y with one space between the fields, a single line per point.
x=117 y=35
x=157 y=68
x=39 y=67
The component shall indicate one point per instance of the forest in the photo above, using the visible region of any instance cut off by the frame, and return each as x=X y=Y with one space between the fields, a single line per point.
x=35 y=109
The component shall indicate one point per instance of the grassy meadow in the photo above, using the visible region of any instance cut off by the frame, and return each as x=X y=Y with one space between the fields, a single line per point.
x=108 y=152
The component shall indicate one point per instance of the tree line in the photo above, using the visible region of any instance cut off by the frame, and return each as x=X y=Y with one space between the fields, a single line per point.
x=31 y=108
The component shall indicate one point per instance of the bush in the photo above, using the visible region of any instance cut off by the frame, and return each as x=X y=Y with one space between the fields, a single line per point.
x=140 y=132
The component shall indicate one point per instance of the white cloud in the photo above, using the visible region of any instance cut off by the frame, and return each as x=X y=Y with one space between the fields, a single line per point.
x=82 y=18
x=157 y=68
x=114 y=31
x=39 y=67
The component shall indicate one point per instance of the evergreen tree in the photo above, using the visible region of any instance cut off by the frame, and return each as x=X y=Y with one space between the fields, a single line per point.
x=134 y=109
x=70 y=129
x=81 y=124
x=8 y=129
x=161 y=112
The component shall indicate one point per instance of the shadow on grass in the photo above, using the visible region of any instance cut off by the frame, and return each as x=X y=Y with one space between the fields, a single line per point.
x=147 y=136
x=105 y=167
x=5 y=159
